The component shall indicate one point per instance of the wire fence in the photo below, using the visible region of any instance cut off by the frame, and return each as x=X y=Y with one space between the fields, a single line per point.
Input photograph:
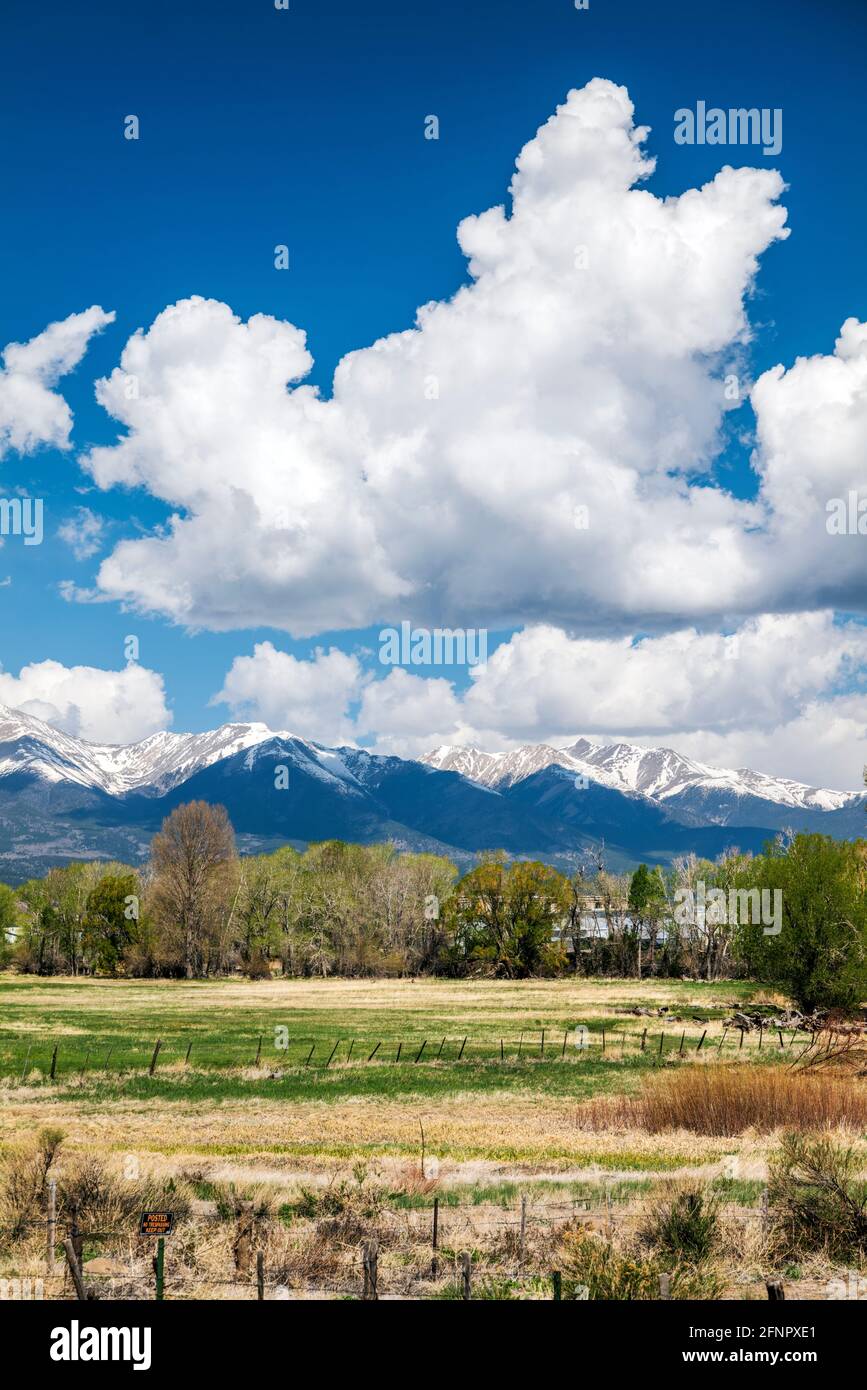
x=23 y=1054
x=446 y=1270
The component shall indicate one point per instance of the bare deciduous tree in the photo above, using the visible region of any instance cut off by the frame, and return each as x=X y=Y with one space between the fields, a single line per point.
x=193 y=858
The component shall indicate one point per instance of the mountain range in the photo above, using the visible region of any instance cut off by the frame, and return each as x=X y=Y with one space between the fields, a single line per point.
x=62 y=798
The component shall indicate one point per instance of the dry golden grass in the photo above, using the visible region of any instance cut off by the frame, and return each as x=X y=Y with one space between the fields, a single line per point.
x=499 y=1128
x=727 y=1101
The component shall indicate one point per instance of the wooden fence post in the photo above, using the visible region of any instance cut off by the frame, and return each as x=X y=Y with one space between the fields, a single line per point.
x=75 y=1234
x=523 y=1236
x=665 y=1286
x=153 y=1064
x=701 y=1040
x=776 y=1291
x=333 y=1050
x=187 y=1058
x=467 y=1274
x=258 y=1051
x=434 y=1264
x=52 y=1224
x=371 y=1260
x=244 y=1238
x=75 y=1271
x=260 y=1276
x=643 y=1039
x=463 y=1045
x=557 y=1283
x=53 y=1063
x=375 y=1050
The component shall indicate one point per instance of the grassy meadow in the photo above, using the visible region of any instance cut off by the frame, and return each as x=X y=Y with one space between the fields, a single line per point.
x=350 y=1076
x=485 y=1078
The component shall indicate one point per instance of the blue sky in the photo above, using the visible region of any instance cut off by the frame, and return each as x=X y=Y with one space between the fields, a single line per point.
x=261 y=127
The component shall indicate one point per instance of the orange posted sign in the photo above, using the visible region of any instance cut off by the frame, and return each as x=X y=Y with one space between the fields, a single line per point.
x=157 y=1223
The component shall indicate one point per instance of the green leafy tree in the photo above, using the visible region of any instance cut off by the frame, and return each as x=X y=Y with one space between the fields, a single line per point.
x=111 y=918
x=8 y=923
x=50 y=941
x=820 y=953
x=505 y=915
x=647 y=908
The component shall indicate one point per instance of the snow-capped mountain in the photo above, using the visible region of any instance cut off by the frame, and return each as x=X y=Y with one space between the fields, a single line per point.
x=153 y=766
x=658 y=773
x=63 y=798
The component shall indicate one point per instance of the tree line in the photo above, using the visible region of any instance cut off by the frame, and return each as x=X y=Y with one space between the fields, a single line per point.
x=199 y=909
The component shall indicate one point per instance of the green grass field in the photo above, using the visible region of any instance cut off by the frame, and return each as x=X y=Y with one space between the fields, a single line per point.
x=343 y=1113
x=331 y=1040
x=491 y=1067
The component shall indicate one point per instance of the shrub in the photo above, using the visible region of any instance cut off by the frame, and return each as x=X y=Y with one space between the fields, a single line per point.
x=112 y=1206
x=258 y=967
x=726 y=1100
x=817 y=1201
x=684 y=1223
x=103 y=1204
x=588 y=1262
x=23 y=1176
x=230 y=1201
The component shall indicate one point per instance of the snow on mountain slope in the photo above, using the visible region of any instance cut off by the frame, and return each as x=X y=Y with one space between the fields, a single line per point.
x=658 y=773
x=29 y=745
x=165 y=760
x=499 y=769
x=153 y=766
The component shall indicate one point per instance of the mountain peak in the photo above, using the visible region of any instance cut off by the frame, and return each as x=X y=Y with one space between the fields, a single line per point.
x=661 y=774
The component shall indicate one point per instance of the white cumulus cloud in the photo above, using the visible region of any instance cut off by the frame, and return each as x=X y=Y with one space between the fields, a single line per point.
x=82 y=532
x=310 y=698
x=579 y=376
x=88 y=702
x=31 y=413
x=782 y=693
